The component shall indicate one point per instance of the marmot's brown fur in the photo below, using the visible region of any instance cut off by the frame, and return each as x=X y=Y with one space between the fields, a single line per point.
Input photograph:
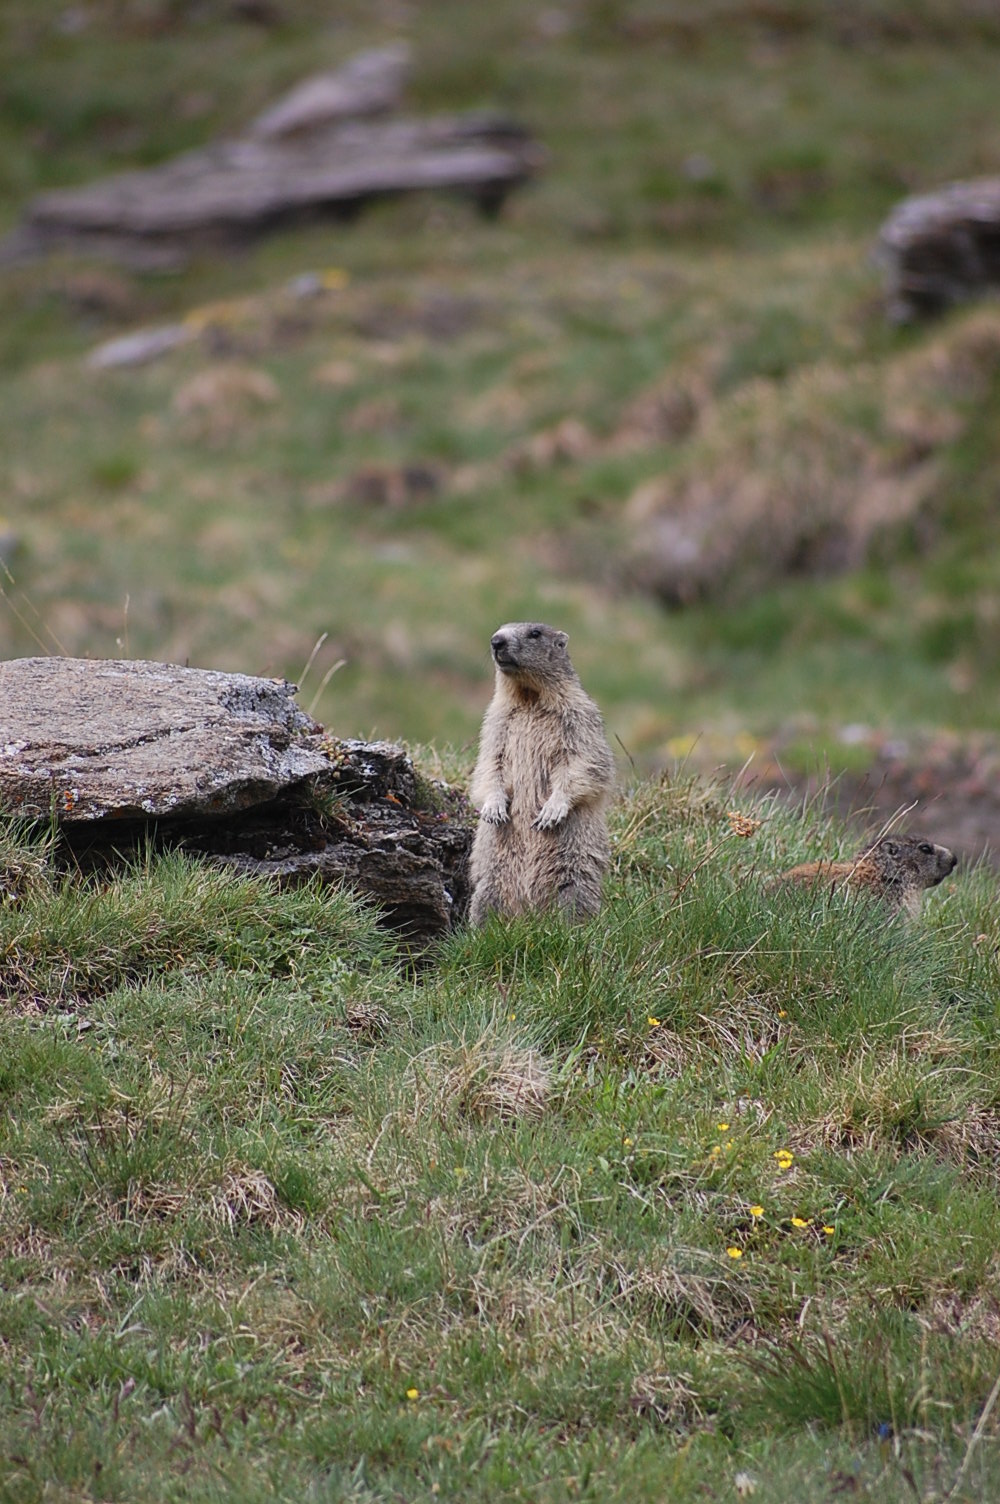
x=896 y=869
x=542 y=782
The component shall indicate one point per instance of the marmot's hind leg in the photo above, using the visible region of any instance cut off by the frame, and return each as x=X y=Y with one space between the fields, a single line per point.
x=486 y=900
x=577 y=900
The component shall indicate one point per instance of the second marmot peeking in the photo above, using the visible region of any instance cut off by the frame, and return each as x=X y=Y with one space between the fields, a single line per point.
x=542 y=782
x=896 y=869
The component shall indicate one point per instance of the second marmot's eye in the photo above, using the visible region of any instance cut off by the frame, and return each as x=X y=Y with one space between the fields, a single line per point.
x=534 y=632
x=926 y=848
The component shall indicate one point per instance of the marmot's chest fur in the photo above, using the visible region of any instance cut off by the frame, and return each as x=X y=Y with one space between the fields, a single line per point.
x=542 y=781
x=536 y=741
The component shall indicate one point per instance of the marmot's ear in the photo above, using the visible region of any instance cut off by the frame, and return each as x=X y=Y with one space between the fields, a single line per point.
x=561 y=640
x=890 y=848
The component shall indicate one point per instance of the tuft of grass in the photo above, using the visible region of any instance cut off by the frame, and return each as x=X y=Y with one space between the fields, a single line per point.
x=76 y=938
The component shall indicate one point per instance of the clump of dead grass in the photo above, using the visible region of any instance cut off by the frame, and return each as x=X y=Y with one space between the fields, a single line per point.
x=367 y=1019
x=248 y=1198
x=673 y=1399
x=814 y=474
x=683 y=1289
x=26 y=867
x=229 y=1199
x=972 y=1140
x=783 y=483
x=479 y=1080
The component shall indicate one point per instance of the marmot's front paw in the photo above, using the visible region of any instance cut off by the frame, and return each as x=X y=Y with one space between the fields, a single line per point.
x=494 y=811
x=553 y=812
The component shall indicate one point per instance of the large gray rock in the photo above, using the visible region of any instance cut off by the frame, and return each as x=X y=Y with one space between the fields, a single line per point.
x=942 y=248
x=233 y=190
x=317 y=151
x=119 y=753
x=112 y=739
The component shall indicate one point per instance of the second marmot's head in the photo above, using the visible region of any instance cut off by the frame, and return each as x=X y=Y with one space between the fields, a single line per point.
x=529 y=650
x=911 y=861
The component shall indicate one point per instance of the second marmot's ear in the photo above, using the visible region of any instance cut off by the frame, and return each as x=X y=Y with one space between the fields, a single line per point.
x=890 y=847
x=561 y=640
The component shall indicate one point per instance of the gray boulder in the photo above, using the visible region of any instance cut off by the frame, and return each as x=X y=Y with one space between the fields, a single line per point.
x=939 y=249
x=111 y=739
x=228 y=766
x=320 y=150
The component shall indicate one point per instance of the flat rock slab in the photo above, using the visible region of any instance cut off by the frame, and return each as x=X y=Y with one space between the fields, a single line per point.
x=123 y=754
x=108 y=739
x=228 y=193
x=939 y=249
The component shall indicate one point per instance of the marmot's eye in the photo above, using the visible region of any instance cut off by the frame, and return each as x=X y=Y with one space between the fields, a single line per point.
x=926 y=848
x=535 y=632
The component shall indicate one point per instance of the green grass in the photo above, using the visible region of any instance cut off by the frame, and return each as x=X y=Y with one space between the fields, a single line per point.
x=218 y=506
x=280 y=1221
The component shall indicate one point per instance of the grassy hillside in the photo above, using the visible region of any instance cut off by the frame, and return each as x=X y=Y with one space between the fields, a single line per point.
x=699 y=1199
x=449 y=434
x=703 y=1191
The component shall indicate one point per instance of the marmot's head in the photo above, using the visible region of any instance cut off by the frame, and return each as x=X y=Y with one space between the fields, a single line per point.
x=911 y=861
x=529 y=651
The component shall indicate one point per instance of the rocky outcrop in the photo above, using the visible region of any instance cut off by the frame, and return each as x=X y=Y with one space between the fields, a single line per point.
x=939 y=249
x=118 y=753
x=312 y=153
x=87 y=740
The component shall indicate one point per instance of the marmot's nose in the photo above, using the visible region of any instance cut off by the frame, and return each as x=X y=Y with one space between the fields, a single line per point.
x=497 y=640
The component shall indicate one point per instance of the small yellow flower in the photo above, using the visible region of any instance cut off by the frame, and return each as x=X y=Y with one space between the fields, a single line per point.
x=782 y=1012
x=459 y=1171
x=735 y=1253
x=829 y=1231
x=801 y=1221
x=722 y=1127
x=715 y=1151
x=784 y=1158
x=627 y=1142
x=756 y=1211
x=413 y=1394
x=511 y=1017
x=654 y=1023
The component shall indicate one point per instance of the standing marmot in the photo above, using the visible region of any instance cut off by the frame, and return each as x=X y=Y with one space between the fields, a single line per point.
x=542 y=782
x=896 y=869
